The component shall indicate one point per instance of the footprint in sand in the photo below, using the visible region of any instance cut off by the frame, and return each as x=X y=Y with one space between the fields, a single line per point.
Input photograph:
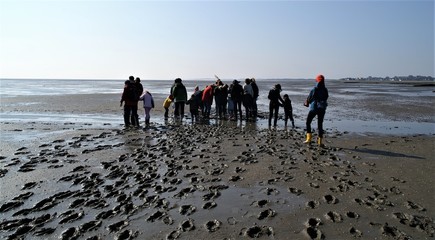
x=393 y=232
x=355 y=232
x=212 y=226
x=268 y=213
x=423 y=223
x=209 y=205
x=329 y=199
x=187 y=225
x=127 y=234
x=187 y=210
x=314 y=233
x=258 y=231
x=313 y=222
x=295 y=191
x=352 y=215
x=412 y=205
x=312 y=204
x=260 y=203
x=334 y=216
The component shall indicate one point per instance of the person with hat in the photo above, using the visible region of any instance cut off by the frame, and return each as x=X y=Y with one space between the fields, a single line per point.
x=237 y=97
x=317 y=103
x=275 y=101
x=179 y=92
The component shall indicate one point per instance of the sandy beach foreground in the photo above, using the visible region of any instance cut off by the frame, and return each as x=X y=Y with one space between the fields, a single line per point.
x=221 y=182
x=226 y=180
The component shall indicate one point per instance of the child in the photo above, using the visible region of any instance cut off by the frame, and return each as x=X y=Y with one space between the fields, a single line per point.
x=167 y=104
x=288 y=110
x=148 y=104
x=193 y=103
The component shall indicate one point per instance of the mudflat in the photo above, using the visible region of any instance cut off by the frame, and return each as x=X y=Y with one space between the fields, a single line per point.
x=218 y=180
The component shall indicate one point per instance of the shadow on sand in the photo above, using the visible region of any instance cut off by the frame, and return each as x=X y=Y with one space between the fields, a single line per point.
x=384 y=153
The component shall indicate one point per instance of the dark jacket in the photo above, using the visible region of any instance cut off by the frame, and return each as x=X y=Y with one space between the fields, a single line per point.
x=129 y=96
x=255 y=88
x=236 y=92
x=179 y=92
x=288 y=105
x=193 y=104
x=275 y=97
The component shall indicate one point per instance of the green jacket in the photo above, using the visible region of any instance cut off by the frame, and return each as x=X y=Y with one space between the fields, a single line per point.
x=179 y=92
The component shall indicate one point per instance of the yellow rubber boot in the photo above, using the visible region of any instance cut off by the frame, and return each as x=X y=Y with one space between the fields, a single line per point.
x=309 y=136
x=320 y=141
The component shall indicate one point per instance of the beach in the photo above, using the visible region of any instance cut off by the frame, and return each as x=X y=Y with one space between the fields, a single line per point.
x=69 y=170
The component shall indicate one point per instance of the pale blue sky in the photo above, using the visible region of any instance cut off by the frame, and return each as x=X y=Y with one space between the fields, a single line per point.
x=233 y=39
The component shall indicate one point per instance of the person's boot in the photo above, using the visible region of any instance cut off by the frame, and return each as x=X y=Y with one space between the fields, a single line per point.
x=320 y=141
x=126 y=121
x=293 y=124
x=147 y=122
x=309 y=136
x=136 y=119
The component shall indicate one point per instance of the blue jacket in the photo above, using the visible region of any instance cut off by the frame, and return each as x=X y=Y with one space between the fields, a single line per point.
x=317 y=99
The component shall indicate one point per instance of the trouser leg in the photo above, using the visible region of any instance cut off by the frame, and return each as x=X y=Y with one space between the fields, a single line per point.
x=254 y=108
x=310 y=118
x=134 y=116
x=286 y=117
x=127 y=115
x=239 y=103
x=177 y=109
x=320 y=117
x=275 y=117
x=270 y=114
x=147 y=115
x=181 y=110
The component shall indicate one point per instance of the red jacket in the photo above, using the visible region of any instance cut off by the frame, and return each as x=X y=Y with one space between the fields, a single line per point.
x=207 y=95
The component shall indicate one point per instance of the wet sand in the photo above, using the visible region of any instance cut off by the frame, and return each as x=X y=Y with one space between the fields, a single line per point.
x=226 y=180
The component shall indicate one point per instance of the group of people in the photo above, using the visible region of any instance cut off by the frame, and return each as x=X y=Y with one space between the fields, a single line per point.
x=228 y=101
x=132 y=94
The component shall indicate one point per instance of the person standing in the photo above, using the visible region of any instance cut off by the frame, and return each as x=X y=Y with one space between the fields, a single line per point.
x=288 y=111
x=220 y=97
x=317 y=103
x=198 y=98
x=193 y=107
x=254 y=100
x=275 y=101
x=207 y=100
x=179 y=92
x=248 y=96
x=130 y=99
x=139 y=90
x=148 y=104
x=167 y=104
x=237 y=97
x=134 y=117
x=139 y=87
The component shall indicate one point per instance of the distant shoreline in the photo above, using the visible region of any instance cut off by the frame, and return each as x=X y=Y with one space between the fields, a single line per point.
x=415 y=83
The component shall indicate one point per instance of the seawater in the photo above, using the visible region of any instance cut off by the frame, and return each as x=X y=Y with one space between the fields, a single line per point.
x=297 y=89
x=29 y=87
